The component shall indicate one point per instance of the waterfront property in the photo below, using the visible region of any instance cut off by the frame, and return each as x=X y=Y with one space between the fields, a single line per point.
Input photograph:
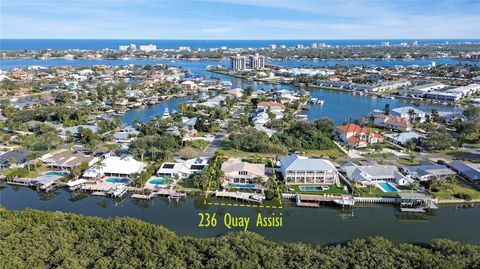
x=470 y=171
x=160 y=182
x=64 y=160
x=369 y=174
x=357 y=136
x=117 y=167
x=14 y=158
x=416 y=202
x=428 y=170
x=410 y=113
x=392 y=122
x=182 y=169
x=298 y=170
x=238 y=172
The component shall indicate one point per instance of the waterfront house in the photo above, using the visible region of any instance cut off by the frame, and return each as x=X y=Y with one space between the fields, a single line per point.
x=115 y=166
x=125 y=135
x=188 y=85
x=298 y=169
x=390 y=85
x=273 y=106
x=409 y=113
x=238 y=172
x=470 y=171
x=368 y=174
x=427 y=171
x=182 y=169
x=214 y=102
x=65 y=160
x=357 y=136
x=391 y=122
x=237 y=92
x=420 y=90
x=14 y=158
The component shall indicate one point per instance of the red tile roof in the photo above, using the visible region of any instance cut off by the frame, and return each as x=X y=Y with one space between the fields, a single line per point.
x=353 y=128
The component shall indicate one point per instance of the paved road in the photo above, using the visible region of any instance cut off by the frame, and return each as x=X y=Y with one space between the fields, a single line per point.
x=217 y=140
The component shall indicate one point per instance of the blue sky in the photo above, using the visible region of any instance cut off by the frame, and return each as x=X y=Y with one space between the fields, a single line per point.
x=240 y=19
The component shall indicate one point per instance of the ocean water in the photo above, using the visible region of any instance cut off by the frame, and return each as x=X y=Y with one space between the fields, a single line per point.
x=91 y=44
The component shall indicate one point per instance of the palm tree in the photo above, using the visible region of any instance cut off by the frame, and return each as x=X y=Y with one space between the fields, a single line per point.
x=31 y=157
x=411 y=114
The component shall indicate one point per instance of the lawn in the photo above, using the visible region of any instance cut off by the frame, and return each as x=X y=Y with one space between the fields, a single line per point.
x=447 y=190
x=408 y=162
x=226 y=149
x=333 y=190
x=375 y=192
x=332 y=153
x=187 y=185
x=199 y=144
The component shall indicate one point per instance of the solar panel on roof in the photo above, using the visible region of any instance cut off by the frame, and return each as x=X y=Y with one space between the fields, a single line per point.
x=168 y=166
x=197 y=167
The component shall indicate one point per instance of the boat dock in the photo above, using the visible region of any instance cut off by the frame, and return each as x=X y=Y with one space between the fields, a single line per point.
x=105 y=189
x=171 y=194
x=242 y=196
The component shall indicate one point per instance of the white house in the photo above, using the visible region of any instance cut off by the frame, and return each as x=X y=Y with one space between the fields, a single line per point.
x=115 y=166
x=238 y=172
x=182 y=170
x=408 y=112
x=368 y=174
x=427 y=171
x=302 y=170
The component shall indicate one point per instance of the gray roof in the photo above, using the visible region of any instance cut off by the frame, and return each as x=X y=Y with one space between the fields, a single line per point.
x=20 y=156
x=469 y=170
x=430 y=169
x=375 y=171
x=405 y=109
x=300 y=163
x=403 y=137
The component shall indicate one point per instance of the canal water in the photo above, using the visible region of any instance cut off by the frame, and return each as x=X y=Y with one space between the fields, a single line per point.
x=324 y=225
x=339 y=106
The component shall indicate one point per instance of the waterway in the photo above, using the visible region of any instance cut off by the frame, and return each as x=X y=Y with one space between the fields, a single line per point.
x=325 y=225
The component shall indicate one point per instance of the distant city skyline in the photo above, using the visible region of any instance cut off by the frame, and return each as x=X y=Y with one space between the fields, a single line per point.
x=241 y=19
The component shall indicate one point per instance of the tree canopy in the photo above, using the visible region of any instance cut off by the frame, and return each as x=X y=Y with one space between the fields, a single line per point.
x=36 y=239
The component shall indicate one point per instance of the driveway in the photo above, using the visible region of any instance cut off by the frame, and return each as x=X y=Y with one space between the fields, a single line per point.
x=218 y=139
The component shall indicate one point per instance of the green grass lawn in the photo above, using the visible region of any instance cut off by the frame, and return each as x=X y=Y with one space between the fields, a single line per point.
x=333 y=190
x=448 y=190
x=375 y=192
x=332 y=153
x=408 y=162
x=199 y=144
x=187 y=185
x=226 y=149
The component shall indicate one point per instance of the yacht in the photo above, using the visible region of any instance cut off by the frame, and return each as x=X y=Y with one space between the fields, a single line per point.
x=166 y=113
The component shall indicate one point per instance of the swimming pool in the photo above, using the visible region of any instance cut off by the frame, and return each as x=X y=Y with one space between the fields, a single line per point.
x=160 y=181
x=56 y=173
x=243 y=186
x=314 y=188
x=117 y=180
x=386 y=187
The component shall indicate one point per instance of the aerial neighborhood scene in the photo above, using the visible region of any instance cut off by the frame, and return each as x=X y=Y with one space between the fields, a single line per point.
x=191 y=140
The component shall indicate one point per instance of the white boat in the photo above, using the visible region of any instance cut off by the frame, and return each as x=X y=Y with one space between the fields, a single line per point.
x=345 y=201
x=166 y=113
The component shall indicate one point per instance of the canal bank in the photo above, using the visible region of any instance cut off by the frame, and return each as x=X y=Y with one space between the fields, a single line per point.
x=323 y=225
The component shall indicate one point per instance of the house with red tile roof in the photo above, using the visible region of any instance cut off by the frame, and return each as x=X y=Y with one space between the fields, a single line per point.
x=357 y=136
x=392 y=122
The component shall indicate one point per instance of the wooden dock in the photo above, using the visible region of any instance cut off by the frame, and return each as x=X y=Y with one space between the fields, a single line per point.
x=242 y=196
x=171 y=194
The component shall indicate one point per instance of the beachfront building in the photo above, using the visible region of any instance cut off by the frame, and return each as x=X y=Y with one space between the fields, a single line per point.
x=470 y=171
x=357 y=136
x=66 y=160
x=422 y=89
x=465 y=91
x=368 y=174
x=393 y=122
x=240 y=62
x=298 y=169
x=182 y=169
x=148 y=48
x=427 y=171
x=238 y=172
x=409 y=113
x=115 y=166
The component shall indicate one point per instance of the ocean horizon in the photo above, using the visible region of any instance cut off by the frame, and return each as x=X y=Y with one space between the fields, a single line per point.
x=7 y=44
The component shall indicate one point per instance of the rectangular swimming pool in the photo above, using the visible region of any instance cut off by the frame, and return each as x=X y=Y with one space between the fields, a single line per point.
x=386 y=187
x=313 y=188
x=243 y=186
x=117 y=180
x=56 y=173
